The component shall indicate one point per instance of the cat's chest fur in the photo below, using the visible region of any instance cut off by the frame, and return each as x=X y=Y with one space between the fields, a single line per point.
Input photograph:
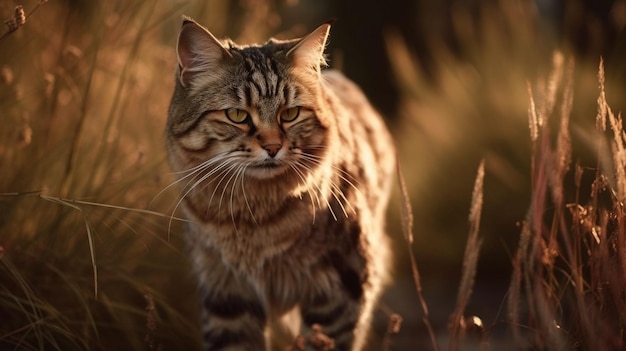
x=285 y=259
x=274 y=231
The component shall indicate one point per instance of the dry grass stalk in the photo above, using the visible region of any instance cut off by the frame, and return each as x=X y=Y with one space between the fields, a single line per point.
x=533 y=119
x=407 y=228
x=619 y=138
x=394 y=324
x=470 y=260
x=151 y=323
x=602 y=104
x=92 y=254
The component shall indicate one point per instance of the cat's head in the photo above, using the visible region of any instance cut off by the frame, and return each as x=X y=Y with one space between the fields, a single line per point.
x=258 y=110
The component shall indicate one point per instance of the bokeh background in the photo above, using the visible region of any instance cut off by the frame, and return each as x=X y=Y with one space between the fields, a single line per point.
x=90 y=247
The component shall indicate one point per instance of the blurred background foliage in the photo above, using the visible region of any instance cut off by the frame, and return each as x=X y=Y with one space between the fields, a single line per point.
x=88 y=262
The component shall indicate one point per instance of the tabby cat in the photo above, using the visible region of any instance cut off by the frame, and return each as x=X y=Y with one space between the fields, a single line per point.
x=285 y=172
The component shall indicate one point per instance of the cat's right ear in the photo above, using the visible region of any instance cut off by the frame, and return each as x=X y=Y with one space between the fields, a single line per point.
x=198 y=51
x=309 y=51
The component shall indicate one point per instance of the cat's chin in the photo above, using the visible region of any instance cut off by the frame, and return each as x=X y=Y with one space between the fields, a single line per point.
x=266 y=171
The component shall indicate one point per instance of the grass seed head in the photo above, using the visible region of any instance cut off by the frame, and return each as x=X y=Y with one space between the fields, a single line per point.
x=18 y=19
x=6 y=75
x=395 y=323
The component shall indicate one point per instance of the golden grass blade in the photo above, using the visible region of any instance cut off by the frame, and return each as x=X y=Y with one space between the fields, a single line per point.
x=470 y=261
x=563 y=142
x=407 y=227
x=72 y=203
x=602 y=105
x=56 y=199
x=71 y=157
x=117 y=97
x=406 y=210
x=89 y=237
x=533 y=119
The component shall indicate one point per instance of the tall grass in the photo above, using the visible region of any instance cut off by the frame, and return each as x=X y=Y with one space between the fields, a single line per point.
x=568 y=289
x=567 y=273
x=82 y=158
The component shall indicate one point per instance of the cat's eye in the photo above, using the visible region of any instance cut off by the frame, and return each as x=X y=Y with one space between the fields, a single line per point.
x=236 y=115
x=290 y=114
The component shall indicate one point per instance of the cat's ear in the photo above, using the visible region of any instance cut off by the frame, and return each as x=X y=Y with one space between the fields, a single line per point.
x=198 y=51
x=309 y=51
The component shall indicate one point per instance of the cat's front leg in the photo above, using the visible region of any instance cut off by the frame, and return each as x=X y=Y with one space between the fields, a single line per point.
x=232 y=322
x=340 y=314
x=233 y=317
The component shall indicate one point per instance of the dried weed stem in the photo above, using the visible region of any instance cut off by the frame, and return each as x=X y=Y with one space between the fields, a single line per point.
x=407 y=227
x=470 y=261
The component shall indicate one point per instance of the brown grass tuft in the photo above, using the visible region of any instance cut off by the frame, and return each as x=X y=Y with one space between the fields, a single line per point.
x=567 y=287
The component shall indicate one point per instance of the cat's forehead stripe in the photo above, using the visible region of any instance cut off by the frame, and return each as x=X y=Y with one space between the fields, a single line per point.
x=247 y=94
x=263 y=74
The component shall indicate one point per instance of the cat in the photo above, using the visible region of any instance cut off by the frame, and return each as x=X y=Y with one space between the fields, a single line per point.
x=285 y=171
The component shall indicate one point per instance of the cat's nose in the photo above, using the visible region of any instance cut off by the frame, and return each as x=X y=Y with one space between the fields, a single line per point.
x=272 y=149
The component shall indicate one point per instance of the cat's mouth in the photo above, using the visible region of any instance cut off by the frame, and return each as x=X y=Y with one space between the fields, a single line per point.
x=269 y=163
x=267 y=168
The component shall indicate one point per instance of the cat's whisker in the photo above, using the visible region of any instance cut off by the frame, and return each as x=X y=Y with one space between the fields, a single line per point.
x=240 y=169
x=339 y=195
x=319 y=189
x=199 y=178
x=311 y=190
x=203 y=178
x=301 y=176
x=222 y=176
x=336 y=191
x=319 y=159
x=222 y=170
x=339 y=172
x=232 y=172
x=227 y=173
x=245 y=198
x=188 y=173
x=222 y=167
x=216 y=158
x=197 y=171
x=315 y=147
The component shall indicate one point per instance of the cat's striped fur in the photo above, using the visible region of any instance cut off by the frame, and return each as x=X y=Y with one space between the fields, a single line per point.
x=285 y=173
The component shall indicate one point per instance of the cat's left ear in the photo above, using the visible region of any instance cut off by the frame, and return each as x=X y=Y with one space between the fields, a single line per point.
x=309 y=51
